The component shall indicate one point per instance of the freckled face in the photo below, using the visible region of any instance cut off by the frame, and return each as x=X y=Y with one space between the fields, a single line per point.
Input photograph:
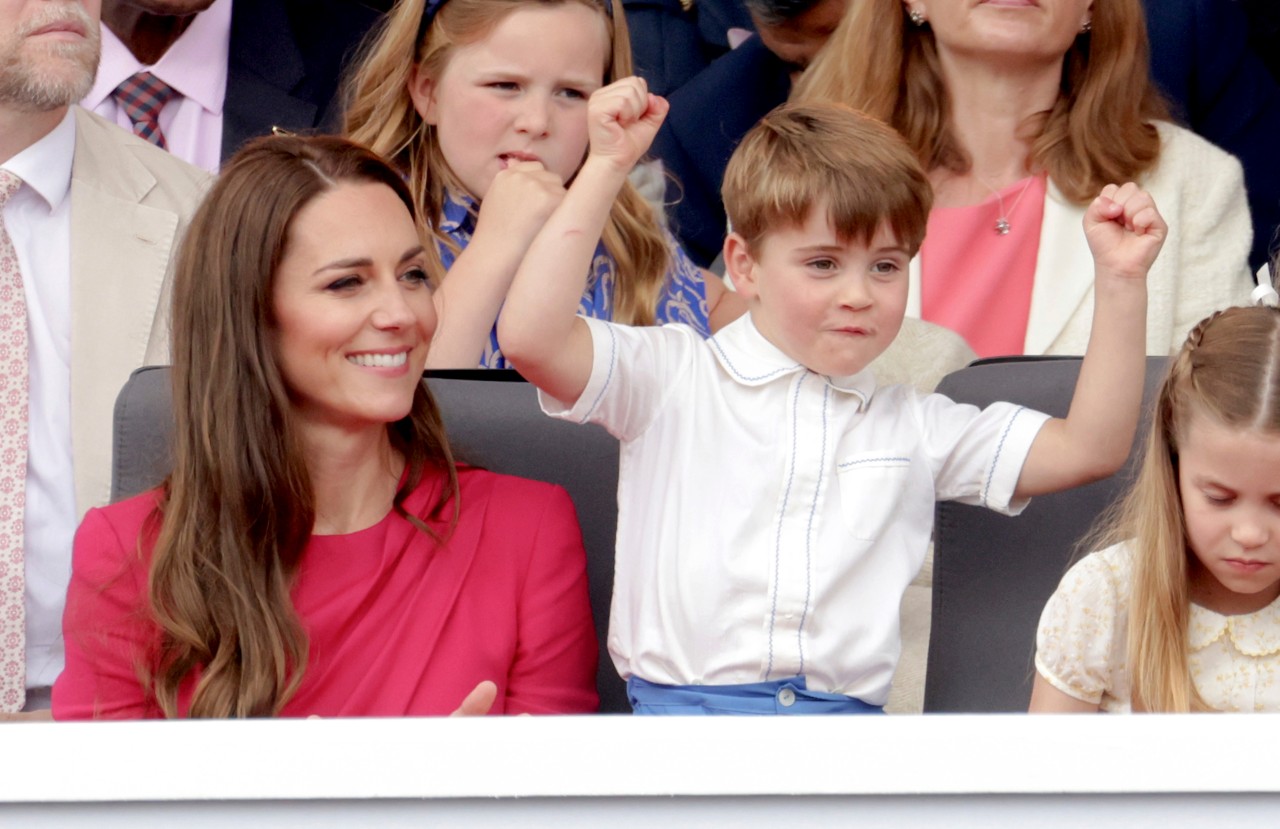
x=519 y=94
x=1229 y=481
x=832 y=306
x=353 y=308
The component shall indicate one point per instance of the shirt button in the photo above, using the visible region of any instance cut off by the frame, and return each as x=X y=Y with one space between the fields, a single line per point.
x=787 y=697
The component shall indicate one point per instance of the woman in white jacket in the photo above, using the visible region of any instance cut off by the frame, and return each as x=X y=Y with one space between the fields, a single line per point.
x=1021 y=111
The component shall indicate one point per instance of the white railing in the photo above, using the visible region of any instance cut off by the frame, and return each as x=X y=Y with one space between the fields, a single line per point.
x=1081 y=771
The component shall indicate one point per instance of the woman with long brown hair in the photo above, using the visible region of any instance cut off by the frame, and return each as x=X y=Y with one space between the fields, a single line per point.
x=1020 y=113
x=315 y=549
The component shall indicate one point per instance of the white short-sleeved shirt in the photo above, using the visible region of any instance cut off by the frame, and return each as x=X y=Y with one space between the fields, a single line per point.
x=1082 y=642
x=770 y=518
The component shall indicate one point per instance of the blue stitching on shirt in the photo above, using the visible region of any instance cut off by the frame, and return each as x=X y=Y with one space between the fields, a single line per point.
x=613 y=359
x=715 y=342
x=991 y=473
x=777 y=540
x=872 y=460
x=808 y=537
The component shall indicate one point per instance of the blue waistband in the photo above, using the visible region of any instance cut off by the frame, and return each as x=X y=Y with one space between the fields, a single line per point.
x=782 y=696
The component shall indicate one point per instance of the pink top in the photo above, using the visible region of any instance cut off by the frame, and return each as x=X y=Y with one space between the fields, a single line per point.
x=397 y=624
x=978 y=282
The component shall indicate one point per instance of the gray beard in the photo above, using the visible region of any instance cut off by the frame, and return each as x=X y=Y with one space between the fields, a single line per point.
x=25 y=87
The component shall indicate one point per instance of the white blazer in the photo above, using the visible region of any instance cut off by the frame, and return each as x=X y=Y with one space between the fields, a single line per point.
x=1203 y=267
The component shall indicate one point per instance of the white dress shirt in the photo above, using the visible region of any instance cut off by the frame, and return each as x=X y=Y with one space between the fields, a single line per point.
x=38 y=218
x=770 y=518
x=196 y=66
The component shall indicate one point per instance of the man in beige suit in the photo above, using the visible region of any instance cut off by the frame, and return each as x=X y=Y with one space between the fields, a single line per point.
x=93 y=223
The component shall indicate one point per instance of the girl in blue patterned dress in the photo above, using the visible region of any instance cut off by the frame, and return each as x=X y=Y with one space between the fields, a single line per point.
x=483 y=104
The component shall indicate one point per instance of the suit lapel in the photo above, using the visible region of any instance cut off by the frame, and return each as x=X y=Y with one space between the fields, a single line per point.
x=120 y=252
x=263 y=68
x=1064 y=272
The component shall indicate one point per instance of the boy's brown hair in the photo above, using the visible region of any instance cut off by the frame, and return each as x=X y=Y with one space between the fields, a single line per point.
x=804 y=155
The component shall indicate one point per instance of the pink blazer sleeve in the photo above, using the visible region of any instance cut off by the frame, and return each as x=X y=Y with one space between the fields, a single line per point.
x=105 y=626
x=554 y=669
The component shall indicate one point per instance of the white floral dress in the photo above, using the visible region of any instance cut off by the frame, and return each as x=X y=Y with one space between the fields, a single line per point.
x=1081 y=643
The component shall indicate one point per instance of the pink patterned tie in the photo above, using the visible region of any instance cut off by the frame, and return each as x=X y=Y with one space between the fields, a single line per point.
x=143 y=95
x=13 y=463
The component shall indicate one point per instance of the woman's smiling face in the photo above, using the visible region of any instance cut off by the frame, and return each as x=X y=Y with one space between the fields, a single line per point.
x=353 y=308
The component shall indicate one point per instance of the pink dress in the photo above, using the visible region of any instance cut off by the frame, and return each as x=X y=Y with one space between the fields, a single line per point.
x=397 y=624
x=978 y=282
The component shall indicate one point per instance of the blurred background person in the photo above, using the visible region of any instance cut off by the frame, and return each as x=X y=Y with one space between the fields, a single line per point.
x=90 y=216
x=202 y=77
x=1020 y=113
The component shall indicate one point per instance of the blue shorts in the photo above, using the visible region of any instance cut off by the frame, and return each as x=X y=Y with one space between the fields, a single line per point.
x=782 y=696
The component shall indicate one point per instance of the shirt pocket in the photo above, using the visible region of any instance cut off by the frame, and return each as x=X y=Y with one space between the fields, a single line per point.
x=871 y=487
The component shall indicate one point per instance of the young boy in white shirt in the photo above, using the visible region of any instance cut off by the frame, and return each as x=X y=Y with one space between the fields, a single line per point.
x=773 y=502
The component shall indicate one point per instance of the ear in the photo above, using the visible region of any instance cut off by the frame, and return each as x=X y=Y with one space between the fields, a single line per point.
x=422 y=92
x=740 y=265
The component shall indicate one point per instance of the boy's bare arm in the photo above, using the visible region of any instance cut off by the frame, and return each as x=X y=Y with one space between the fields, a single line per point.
x=1125 y=233
x=539 y=330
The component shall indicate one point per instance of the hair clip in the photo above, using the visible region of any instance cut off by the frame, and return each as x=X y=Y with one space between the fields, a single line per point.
x=278 y=131
x=1266 y=295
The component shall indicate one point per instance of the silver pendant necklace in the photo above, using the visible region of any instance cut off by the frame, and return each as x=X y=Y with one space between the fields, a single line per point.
x=1002 y=226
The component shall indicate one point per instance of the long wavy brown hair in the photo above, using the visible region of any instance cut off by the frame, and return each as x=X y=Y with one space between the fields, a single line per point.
x=1227 y=371
x=381 y=115
x=1099 y=131
x=238 y=508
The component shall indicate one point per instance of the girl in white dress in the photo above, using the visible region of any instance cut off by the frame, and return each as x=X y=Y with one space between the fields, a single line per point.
x=1181 y=611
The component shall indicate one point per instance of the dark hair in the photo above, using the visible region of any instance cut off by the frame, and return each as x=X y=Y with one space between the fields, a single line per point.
x=773 y=12
x=238 y=508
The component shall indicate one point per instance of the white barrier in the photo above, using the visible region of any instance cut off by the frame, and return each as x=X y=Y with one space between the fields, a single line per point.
x=953 y=771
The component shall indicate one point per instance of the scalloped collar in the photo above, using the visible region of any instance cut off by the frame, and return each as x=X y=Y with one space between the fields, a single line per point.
x=1252 y=634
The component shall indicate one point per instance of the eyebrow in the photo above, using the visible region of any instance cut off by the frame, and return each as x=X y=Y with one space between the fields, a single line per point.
x=513 y=73
x=835 y=247
x=364 y=261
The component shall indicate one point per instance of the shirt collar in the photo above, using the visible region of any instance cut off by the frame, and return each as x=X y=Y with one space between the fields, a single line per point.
x=752 y=360
x=1253 y=634
x=195 y=65
x=45 y=166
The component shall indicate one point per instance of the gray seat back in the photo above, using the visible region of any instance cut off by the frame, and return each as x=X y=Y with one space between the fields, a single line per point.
x=992 y=574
